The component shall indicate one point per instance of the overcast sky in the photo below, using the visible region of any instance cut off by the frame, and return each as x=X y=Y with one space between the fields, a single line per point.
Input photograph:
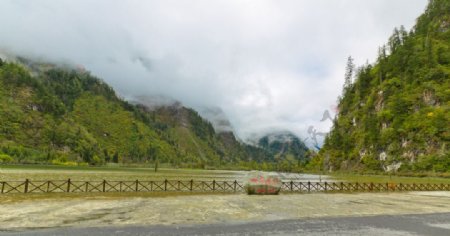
x=269 y=64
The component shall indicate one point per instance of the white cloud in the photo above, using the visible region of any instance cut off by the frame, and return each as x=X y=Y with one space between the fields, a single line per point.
x=268 y=64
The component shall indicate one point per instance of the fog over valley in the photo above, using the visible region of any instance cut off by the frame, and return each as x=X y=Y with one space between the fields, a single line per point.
x=251 y=67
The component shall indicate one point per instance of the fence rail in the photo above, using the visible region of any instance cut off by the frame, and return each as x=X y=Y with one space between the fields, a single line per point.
x=69 y=186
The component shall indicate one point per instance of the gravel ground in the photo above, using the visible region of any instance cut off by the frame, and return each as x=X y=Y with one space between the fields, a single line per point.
x=101 y=211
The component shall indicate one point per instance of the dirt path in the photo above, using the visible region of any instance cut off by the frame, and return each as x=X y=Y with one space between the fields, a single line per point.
x=207 y=209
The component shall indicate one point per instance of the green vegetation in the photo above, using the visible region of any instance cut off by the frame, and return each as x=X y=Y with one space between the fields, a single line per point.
x=398 y=110
x=62 y=116
x=389 y=179
x=4 y=158
x=99 y=173
x=289 y=152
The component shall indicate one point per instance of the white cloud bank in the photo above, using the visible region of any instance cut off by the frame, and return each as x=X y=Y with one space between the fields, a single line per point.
x=269 y=64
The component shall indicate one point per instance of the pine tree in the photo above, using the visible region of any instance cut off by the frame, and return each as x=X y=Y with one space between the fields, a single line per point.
x=403 y=34
x=394 y=41
x=348 y=74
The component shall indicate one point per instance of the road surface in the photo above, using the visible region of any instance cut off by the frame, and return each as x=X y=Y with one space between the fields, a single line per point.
x=418 y=224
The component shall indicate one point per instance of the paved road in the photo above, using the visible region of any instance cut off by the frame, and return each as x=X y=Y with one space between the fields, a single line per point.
x=421 y=224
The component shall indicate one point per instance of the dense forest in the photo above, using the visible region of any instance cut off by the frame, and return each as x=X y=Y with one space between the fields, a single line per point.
x=61 y=115
x=395 y=115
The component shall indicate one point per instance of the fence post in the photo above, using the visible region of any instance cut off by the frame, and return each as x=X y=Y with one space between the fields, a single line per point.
x=26 y=185
x=120 y=186
x=3 y=186
x=30 y=187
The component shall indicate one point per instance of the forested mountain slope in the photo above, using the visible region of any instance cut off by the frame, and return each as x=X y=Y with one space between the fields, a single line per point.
x=62 y=115
x=398 y=109
x=284 y=146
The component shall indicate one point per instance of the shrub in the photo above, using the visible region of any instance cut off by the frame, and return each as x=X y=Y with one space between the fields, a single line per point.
x=4 y=158
x=96 y=160
x=64 y=163
x=82 y=164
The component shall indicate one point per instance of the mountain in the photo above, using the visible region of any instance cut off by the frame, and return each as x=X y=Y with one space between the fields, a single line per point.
x=218 y=119
x=396 y=114
x=284 y=146
x=64 y=115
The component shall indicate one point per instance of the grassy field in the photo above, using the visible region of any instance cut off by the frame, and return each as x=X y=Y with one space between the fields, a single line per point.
x=84 y=173
x=38 y=172
x=388 y=179
x=35 y=172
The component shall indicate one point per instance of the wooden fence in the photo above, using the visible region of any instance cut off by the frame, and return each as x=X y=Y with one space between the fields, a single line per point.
x=69 y=186
x=359 y=187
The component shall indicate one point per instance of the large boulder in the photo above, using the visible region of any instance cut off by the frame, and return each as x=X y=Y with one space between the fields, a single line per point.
x=262 y=183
